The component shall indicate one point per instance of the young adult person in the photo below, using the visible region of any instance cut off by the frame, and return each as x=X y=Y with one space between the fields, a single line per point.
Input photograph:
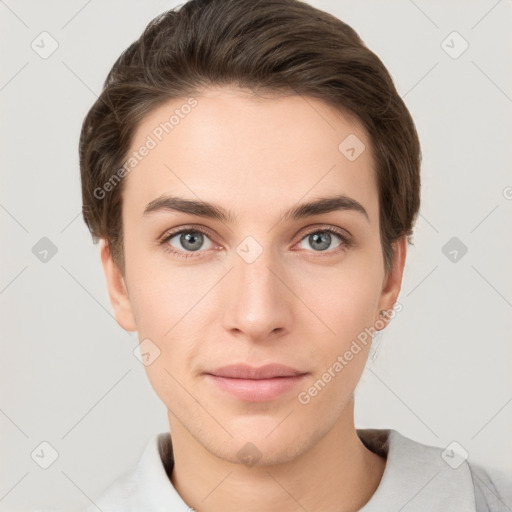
x=254 y=179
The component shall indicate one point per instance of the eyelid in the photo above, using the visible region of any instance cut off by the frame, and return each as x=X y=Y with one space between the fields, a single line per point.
x=343 y=233
x=192 y=227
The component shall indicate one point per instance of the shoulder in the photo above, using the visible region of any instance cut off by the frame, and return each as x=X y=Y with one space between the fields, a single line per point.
x=426 y=478
x=146 y=486
x=493 y=489
x=122 y=493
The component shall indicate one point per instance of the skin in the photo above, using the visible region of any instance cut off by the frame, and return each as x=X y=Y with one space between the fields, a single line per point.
x=295 y=305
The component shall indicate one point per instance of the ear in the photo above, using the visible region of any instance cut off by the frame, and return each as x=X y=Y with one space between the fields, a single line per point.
x=392 y=282
x=117 y=289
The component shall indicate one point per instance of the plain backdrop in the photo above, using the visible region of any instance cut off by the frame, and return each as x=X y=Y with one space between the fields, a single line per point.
x=69 y=378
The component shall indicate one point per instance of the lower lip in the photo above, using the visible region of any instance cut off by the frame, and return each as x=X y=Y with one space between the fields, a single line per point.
x=257 y=390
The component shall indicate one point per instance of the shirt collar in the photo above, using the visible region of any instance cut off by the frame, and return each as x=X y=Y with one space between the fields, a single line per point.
x=416 y=477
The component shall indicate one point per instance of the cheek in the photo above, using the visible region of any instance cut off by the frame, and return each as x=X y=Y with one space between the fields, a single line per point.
x=346 y=304
x=172 y=307
x=345 y=299
x=162 y=294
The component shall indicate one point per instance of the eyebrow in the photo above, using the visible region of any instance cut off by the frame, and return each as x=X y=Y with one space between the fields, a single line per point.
x=208 y=210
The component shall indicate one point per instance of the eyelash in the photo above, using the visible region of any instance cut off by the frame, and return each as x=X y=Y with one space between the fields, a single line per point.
x=346 y=241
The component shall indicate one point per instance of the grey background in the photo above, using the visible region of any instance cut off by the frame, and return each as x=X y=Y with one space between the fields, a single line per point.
x=68 y=373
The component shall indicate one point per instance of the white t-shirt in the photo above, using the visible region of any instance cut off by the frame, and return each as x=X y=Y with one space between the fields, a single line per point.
x=417 y=478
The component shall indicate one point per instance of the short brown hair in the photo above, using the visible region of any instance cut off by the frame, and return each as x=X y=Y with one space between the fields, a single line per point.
x=278 y=46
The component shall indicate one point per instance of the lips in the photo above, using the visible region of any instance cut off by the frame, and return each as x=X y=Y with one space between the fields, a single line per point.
x=268 y=371
x=252 y=384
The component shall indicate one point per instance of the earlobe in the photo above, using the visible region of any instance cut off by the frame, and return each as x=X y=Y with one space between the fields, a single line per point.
x=392 y=284
x=117 y=289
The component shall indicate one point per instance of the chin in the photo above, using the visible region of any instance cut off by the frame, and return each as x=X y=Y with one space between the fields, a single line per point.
x=265 y=441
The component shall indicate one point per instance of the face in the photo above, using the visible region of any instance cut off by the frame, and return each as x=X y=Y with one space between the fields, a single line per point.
x=255 y=280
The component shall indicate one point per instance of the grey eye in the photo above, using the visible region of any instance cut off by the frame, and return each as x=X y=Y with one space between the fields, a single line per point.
x=189 y=240
x=321 y=240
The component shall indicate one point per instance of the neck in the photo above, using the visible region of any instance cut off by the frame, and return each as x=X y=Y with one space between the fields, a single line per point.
x=337 y=474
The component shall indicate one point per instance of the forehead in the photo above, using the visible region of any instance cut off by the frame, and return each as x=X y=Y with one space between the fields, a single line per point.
x=256 y=153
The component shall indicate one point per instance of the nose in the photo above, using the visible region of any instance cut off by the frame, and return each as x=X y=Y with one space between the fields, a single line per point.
x=258 y=299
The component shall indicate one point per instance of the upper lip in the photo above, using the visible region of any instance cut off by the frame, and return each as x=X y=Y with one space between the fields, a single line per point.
x=243 y=371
